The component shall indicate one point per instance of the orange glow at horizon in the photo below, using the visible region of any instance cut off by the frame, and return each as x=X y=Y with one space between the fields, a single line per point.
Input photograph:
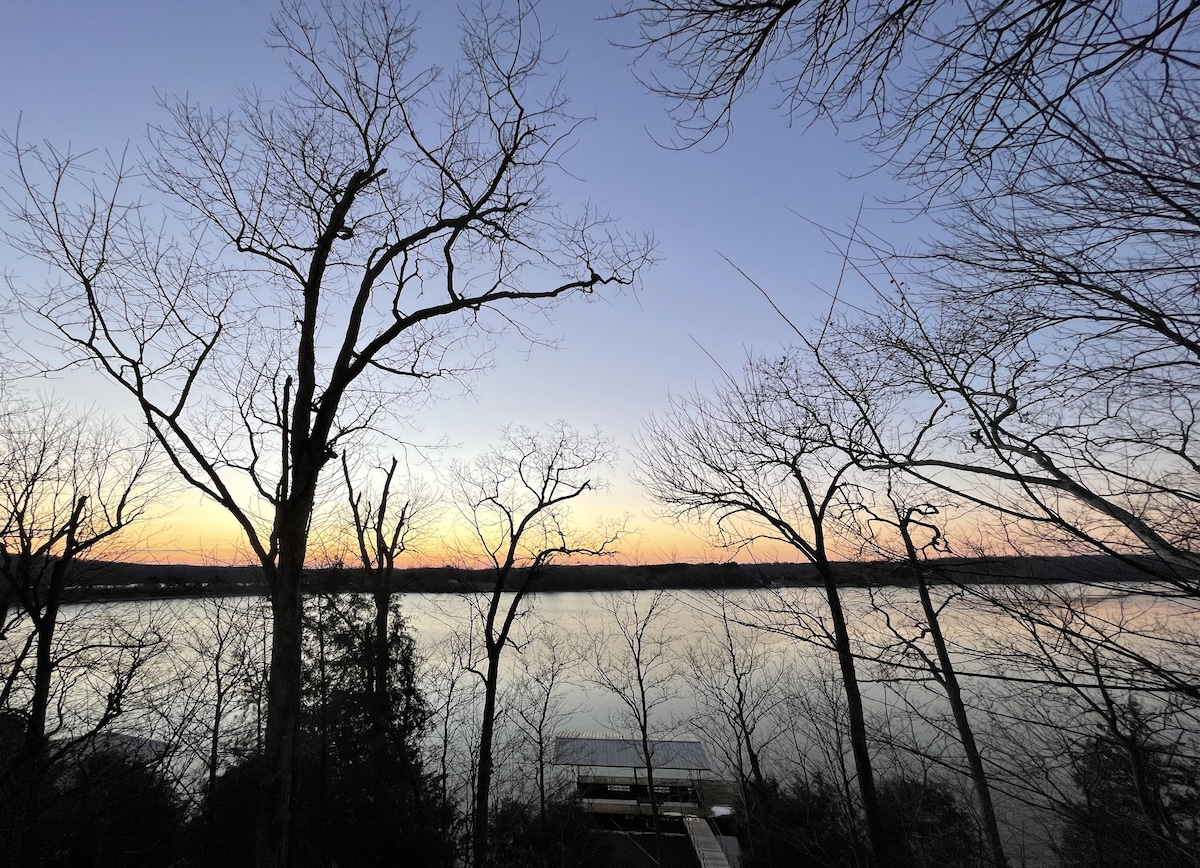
x=198 y=532
x=194 y=531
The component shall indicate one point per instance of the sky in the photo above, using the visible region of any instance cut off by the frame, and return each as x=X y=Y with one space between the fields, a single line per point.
x=90 y=74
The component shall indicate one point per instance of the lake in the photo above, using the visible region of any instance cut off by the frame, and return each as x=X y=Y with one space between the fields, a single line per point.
x=1043 y=669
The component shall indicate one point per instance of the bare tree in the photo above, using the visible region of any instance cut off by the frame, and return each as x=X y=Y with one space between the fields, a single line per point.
x=107 y=672
x=453 y=693
x=514 y=500
x=325 y=252
x=1045 y=346
x=71 y=484
x=633 y=658
x=1058 y=449
x=768 y=457
x=740 y=685
x=897 y=524
x=1054 y=358
x=1071 y=254
x=1065 y=274
x=384 y=529
x=1045 y=375
x=547 y=662
x=1086 y=267
x=218 y=655
x=1055 y=696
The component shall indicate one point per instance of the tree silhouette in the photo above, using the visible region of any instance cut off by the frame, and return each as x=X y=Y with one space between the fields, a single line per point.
x=515 y=501
x=70 y=484
x=321 y=255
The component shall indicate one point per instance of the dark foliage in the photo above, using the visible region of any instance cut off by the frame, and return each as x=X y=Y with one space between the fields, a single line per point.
x=1138 y=806
x=926 y=826
x=17 y=793
x=362 y=797
x=223 y=833
x=808 y=825
x=12 y=734
x=367 y=794
x=804 y=825
x=564 y=838
x=100 y=809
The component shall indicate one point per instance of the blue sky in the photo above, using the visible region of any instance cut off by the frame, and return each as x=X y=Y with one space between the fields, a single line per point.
x=88 y=73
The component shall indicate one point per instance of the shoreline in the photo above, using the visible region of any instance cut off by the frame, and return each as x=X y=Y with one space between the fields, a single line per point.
x=103 y=581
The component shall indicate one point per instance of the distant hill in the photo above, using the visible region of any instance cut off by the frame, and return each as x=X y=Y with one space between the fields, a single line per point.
x=101 y=580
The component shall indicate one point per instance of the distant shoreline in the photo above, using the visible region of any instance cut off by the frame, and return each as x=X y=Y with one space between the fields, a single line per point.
x=97 y=581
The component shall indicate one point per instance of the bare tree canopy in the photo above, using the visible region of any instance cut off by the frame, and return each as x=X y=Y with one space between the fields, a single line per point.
x=1051 y=337
x=954 y=81
x=777 y=455
x=1049 y=333
x=364 y=225
x=71 y=484
x=515 y=502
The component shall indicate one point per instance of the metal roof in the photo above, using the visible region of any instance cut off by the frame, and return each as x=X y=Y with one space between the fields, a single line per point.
x=626 y=753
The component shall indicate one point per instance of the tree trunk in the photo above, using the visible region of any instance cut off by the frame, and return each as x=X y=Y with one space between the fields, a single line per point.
x=880 y=855
x=31 y=764
x=214 y=741
x=6 y=602
x=483 y=786
x=761 y=809
x=965 y=734
x=949 y=680
x=275 y=843
x=45 y=623
x=35 y=731
x=381 y=654
x=648 y=755
x=541 y=765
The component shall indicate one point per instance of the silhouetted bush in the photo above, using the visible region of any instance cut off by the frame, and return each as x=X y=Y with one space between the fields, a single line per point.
x=108 y=809
x=797 y=825
x=926 y=827
x=564 y=838
x=364 y=794
x=362 y=797
x=222 y=834
x=808 y=825
x=1138 y=806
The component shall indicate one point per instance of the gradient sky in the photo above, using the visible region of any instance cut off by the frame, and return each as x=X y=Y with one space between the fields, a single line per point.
x=88 y=73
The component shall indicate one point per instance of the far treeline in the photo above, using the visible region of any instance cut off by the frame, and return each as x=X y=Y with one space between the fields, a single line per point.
x=98 y=580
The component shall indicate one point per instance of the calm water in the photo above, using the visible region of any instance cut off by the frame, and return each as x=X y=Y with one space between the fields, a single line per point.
x=787 y=628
